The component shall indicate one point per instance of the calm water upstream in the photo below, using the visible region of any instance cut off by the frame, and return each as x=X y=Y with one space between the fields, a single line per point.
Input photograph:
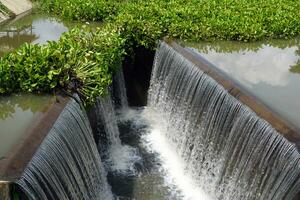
x=33 y=28
x=17 y=112
x=269 y=70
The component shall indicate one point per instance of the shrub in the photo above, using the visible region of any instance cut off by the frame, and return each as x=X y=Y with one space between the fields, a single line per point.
x=146 y=21
x=81 y=61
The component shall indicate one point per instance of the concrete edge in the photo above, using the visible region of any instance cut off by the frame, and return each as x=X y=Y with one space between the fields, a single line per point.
x=290 y=132
x=14 y=16
x=5 y=190
x=17 y=7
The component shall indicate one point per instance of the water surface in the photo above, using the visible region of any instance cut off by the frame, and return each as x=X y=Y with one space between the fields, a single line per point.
x=269 y=70
x=17 y=112
x=33 y=28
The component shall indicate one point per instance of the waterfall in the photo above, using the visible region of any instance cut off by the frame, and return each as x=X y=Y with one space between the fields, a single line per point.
x=117 y=157
x=67 y=164
x=107 y=120
x=120 y=89
x=229 y=151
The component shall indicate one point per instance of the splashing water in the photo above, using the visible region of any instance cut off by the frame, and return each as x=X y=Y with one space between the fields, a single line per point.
x=119 y=158
x=227 y=149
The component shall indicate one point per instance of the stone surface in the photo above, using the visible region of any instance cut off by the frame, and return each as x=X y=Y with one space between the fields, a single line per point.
x=4 y=191
x=2 y=17
x=17 y=6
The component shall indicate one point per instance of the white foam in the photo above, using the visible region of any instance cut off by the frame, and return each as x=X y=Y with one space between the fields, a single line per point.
x=122 y=159
x=129 y=114
x=172 y=165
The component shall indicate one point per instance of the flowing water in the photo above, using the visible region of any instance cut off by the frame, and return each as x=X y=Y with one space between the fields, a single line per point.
x=119 y=158
x=130 y=148
x=67 y=165
x=120 y=90
x=229 y=151
x=193 y=141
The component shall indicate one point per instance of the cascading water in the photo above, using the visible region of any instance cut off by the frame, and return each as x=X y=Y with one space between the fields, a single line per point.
x=118 y=158
x=229 y=151
x=67 y=165
x=120 y=90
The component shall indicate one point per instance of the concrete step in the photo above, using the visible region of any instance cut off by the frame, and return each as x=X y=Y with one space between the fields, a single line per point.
x=3 y=17
x=17 y=7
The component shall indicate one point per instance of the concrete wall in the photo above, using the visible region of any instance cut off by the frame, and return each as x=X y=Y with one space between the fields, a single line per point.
x=3 y=17
x=15 y=161
x=16 y=7
x=4 y=190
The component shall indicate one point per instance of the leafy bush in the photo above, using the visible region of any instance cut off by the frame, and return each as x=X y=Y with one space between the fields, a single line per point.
x=146 y=21
x=81 y=61
x=82 y=10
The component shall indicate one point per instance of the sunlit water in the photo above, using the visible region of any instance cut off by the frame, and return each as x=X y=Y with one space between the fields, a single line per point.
x=269 y=70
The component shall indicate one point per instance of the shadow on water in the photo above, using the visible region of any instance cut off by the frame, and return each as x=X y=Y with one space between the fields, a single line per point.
x=137 y=72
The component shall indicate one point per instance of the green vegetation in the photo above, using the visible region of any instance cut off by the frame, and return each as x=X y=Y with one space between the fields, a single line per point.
x=188 y=19
x=296 y=68
x=82 y=60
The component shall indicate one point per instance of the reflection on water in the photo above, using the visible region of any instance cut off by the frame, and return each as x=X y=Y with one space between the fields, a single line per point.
x=32 y=28
x=269 y=70
x=16 y=113
x=296 y=68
